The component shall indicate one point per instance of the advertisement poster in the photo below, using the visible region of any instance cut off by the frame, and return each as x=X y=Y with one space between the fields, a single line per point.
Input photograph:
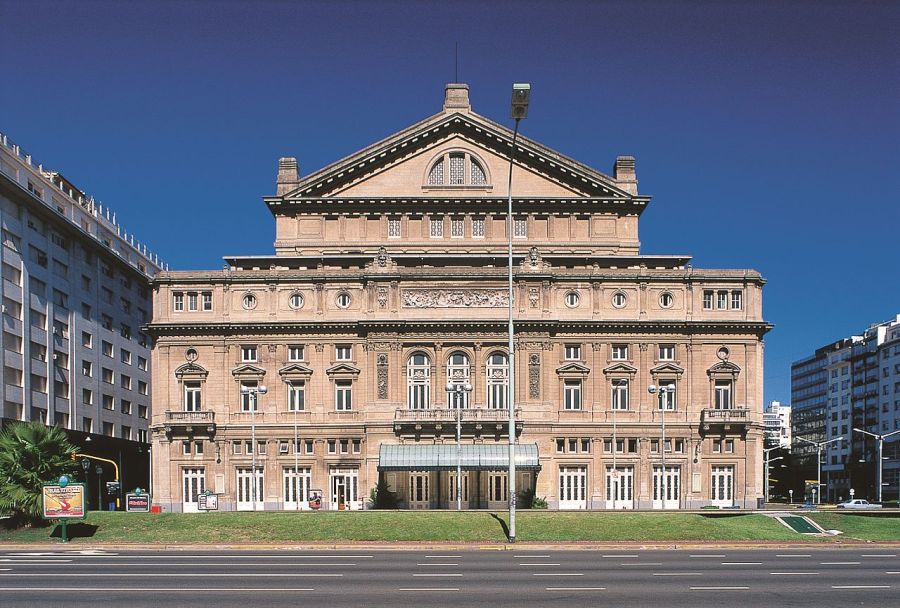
x=137 y=503
x=315 y=499
x=64 y=502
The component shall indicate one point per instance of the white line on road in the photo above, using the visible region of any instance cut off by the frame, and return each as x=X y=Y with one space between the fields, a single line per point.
x=677 y=574
x=839 y=563
x=893 y=572
x=719 y=588
x=793 y=573
x=243 y=565
x=531 y=556
x=35 y=561
x=429 y=589
x=701 y=556
x=557 y=574
x=159 y=589
x=443 y=556
x=876 y=555
x=860 y=586
x=742 y=563
x=437 y=564
x=439 y=575
x=182 y=574
x=621 y=556
x=576 y=588
x=641 y=564
x=538 y=564
x=794 y=555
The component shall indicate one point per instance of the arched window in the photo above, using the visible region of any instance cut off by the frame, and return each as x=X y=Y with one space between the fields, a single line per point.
x=498 y=381
x=457 y=168
x=458 y=372
x=436 y=175
x=418 y=381
x=478 y=176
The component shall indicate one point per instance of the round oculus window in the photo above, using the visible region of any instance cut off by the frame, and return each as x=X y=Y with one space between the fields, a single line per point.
x=666 y=299
x=619 y=299
x=342 y=299
x=572 y=299
x=296 y=300
x=249 y=301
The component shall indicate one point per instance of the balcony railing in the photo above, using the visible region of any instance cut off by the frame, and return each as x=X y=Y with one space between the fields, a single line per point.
x=190 y=417
x=190 y=423
x=738 y=417
x=443 y=420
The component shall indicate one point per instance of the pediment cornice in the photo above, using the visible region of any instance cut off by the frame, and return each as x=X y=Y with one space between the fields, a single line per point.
x=620 y=368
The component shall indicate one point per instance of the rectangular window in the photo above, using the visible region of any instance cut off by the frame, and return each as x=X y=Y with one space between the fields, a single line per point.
x=561 y=445
x=178 y=302
x=343 y=352
x=125 y=331
x=236 y=448
x=193 y=302
x=457 y=169
x=573 y=352
x=393 y=227
x=457 y=227
x=722 y=300
x=60 y=298
x=296 y=395
x=708 y=299
x=478 y=227
x=437 y=227
x=357 y=446
x=620 y=352
x=308 y=446
x=87 y=425
x=343 y=395
x=332 y=446
x=142 y=363
x=86 y=311
x=125 y=304
x=572 y=394
x=207 y=300
x=142 y=411
x=295 y=352
x=107 y=375
x=87 y=369
x=737 y=299
x=106 y=322
x=87 y=396
x=667 y=397
x=520 y=228
x=345 y=446
x=723 y=394
x=666 y=352
x=620 y=395
x=192 y=396
x=125 y=406
x=249 y=396
x=248 y=353
x=108 y=402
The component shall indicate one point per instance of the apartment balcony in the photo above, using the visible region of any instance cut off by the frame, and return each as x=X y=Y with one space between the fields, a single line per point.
x=715 y=421
x=190 y=423
x=437 y=422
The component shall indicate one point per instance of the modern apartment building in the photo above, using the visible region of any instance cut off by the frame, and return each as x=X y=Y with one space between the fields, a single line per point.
x=75 y=297
x=777 y=423
x=388 y=283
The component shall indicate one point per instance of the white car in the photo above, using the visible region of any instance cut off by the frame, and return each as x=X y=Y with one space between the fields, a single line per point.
x=858 y=503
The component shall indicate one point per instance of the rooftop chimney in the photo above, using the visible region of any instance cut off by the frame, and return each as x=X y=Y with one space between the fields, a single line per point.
x=288 y=174
x=625 y=175
x=456 y=97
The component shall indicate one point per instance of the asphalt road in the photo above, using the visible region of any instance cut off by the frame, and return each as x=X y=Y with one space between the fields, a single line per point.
x=516 y=577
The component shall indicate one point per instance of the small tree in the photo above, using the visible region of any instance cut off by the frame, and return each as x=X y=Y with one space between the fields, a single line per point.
x=381 y=496
x=31 y=455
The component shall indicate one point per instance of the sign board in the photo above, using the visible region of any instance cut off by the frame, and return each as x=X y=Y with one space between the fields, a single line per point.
x=315 y=499
x=64 y=502
x=208 y=502
x=137 y=503
x=112 y=487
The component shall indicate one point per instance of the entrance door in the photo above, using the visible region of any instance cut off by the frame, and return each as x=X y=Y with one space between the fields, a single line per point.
x=620 y=488
x=343 y=489
x=419 y=490
x=296 y=484
x=193 y=485
x=666 y=492
x=573 y=487
x=464 y=484
x=245 y=490
x=722 y=486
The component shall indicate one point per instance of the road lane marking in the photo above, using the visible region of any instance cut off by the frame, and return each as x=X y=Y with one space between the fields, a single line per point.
x=437 y=564
x=181 y=574
x=429 y=589
x=641 y=564
x=576 y=588
x=794 y=555
x=677 y=574
x=704 y=555
x=443 y=556
x=531 y=556
x=538 y=564
x=860 y=586
x=439 y=575
x=226 y=565
x=622 y=556
x=794 y=573
x=876 y=555
x=839 y=563
x=557 y=574
x=160 y=589
x=742 y=563
x=719 y=588
x=35 y=561
x=226 y=556
x=893 y=572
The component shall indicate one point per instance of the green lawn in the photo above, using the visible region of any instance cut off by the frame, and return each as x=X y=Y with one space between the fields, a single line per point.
x=437 y=526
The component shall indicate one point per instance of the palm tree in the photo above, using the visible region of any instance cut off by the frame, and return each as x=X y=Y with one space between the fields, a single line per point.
x=31 y=455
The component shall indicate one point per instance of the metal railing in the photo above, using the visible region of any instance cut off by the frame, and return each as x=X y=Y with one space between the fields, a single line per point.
x=449 y=416
x=727 y=416
x=203 y=417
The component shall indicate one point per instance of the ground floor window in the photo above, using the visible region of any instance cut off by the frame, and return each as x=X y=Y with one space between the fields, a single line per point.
x=193 y=484
x=296 y=483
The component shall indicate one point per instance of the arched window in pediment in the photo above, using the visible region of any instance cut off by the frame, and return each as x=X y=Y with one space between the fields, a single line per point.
x=457 y=168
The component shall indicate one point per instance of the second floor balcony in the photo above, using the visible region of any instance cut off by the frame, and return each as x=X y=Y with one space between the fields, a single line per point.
x=442 y=421
x=735 y=420
x=190 y=423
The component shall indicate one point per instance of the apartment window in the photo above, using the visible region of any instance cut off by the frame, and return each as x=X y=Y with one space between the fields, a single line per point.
x=12 y=241
x=437 y=227
x=308 y=446
x=193 y=301
x=37 y=286
x=86 y=311
x=106 y=322
x=723 y=394
x=38 y=256
x=343 y=395
x=107 y=375
x=457 y=227
x=142 y=411
x=60 y=298
x=125 y=331
x=125 y=356
x=142 y=435
x=60 y=269
x=620 y=395
x=722 y=300
x=394 y=228
x=737 y=299
x=125 y=406
x=87 y=369
x=125 y=381
x=178 y=302
x=332 y=446
x=108 y=402
x=87 y=396
x=248 y=353
x=572 y=394
x=666 y=352
x=708 y=299
x=85 y=283
x=142 y=363
x=620 y=352
x=186 y=448
x=345 y=446
x=520 y=228
x=478 y=227
x=295 y=352
x=573 y=352
x=12 y=274
x=207 y=300
x=142 y=339
x=237 y=448
x=126 y=305
x=109 y=429
x=729 y=446
x=87 y=425
x=357 y=444
x=296 y=392
x=343 y=352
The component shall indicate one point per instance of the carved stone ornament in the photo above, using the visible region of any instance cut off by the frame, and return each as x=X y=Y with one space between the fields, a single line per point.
x=534 y=257
x=382 y=257
x=382 y=359
x=383 y=382
x=320 y=348
x=534 y=376
x=533 y=297
x=455 y=298
x=382 y=297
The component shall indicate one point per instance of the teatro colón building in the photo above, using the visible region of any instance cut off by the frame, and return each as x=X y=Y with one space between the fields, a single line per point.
x=309 y=377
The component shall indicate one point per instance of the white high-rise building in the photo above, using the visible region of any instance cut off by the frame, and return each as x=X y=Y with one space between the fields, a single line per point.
x=777 y=422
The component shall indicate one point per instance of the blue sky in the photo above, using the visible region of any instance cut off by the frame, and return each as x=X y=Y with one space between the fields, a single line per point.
x=768 y=133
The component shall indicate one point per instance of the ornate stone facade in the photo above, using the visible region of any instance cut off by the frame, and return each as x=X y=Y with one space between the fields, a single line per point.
x=389 y=281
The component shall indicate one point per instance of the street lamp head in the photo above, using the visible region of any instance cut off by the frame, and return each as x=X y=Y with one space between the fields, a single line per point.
x=467 y=387
x=85 y=464
x=262 y=389
x=652 y=389
x=521 y=92
x=450 y=387
x=668 y=388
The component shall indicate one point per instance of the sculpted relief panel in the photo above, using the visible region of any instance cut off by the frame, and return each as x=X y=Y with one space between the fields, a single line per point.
x=455 y=298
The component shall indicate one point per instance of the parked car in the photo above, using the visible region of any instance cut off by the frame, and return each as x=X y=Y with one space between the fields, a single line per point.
x=858 y=503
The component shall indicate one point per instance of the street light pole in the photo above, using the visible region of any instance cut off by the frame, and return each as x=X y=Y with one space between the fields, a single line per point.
x=880 y=439
x=819 y=445
x=518 y=110
x=456 y=390
x=253 y=393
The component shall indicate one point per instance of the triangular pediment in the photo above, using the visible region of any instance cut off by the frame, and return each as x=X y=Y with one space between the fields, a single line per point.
x=398 y=165
x=573 y=369
x=248 y=370
x=620 y=368
x=295 y=369
x=667 y=368
x=342 y=369
x=724 y=368
x=190 y=370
